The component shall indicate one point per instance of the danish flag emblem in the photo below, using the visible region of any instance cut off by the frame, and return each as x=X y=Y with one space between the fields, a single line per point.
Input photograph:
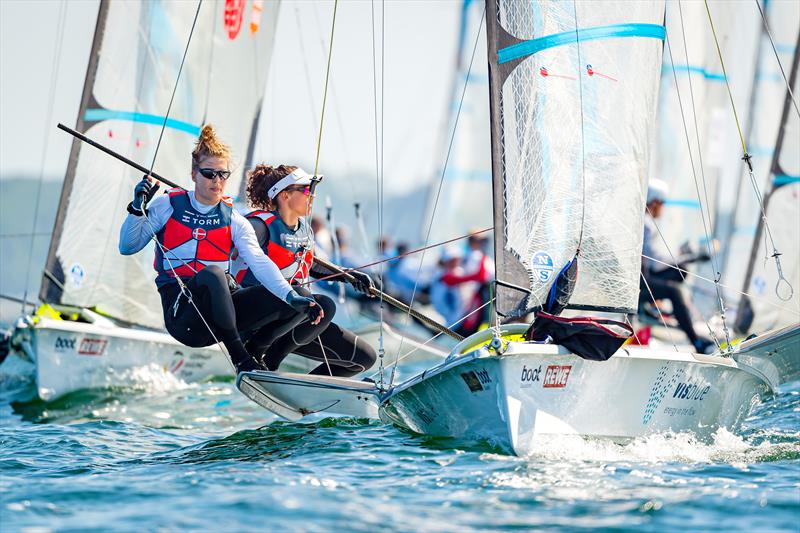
x=199 y=234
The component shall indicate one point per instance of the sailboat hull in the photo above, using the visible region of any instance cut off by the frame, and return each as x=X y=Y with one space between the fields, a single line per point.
x=67 y=356
x=531 y=391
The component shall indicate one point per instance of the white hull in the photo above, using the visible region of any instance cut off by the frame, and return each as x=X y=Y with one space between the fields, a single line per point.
x=293 y=396
x=775 y=354
x=531 y=390
x=68 y=356
x=65 y=356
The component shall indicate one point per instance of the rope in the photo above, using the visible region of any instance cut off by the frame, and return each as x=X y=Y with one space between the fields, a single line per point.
x=184 y=289
x=741 y=293
x=583 y=134
x=441 y=182
x=400 y=255
x=747 y=158
x=325 y=91
x=431 y=339
x=54 y=70
x=660 y=315
x=379 y=168
x=703 y=212
x=175 y=87
x=777 y=57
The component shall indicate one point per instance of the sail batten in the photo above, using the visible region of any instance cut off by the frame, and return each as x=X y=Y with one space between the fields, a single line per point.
x=573 y=106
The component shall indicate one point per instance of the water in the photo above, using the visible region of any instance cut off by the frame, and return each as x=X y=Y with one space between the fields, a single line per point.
x=174 y=456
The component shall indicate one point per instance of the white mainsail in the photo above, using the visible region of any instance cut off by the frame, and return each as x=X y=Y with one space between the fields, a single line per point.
x=132 y=70
x=774 y=294
x=465 y=200
x=768 y=309
x=571 y=127
x=693 y=101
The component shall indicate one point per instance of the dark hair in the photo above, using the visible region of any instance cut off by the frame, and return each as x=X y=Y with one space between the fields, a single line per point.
x=260 y=180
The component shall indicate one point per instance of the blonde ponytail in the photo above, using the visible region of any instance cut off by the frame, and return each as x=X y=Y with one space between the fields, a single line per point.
x=208 y=145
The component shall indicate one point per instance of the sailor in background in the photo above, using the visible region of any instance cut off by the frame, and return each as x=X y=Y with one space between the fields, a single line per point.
x=283 y=197
x=660 y=267
x=196 y=232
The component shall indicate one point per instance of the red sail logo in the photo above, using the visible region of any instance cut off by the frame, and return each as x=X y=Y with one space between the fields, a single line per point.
x=234 y=13
x=556 y=376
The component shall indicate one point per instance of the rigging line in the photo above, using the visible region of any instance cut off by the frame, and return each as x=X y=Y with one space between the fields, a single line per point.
x=747 y=158
x=411 y=252
x=694 y=174
x=660 y=314
x=378 y=167
x=186 y=292
x=337 y=113
x=431 y=339
x=583 y=133
x=325 y=90
x=441 y=180
x=161 y=133
x=711 y=251
x=684 y=272
x=54 y=71
x=19 y=235
x=383 y=147
x=777 y=57
x=725 y=75
x=175 y=87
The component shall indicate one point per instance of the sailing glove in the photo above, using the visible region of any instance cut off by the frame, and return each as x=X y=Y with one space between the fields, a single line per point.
x=362 y=282
x=142 y=194
x=305 y=305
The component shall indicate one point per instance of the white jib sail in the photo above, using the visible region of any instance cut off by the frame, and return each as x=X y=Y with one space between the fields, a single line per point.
x=137 y=51
x=572 y=137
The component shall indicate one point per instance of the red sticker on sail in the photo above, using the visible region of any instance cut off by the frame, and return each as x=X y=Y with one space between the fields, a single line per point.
x=234 y=13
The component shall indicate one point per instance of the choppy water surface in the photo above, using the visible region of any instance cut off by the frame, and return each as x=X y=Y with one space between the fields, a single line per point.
x=175 y=456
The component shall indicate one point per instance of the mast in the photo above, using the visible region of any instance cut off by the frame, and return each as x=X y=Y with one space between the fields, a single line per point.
x=744 y=316
x=53 y=275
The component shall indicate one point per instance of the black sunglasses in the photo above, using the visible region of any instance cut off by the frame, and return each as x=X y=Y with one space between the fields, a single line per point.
x=212 y=173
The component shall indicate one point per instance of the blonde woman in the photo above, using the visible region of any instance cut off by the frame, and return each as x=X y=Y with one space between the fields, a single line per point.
x=196 y=232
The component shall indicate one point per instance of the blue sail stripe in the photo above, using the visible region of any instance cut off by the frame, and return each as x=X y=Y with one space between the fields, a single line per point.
x=690 y=204
x=785 y=179
x=692 y=69
x=96 y=115
x=533 y=46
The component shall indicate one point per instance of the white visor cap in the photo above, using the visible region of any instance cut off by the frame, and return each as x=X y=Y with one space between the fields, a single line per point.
x=657 y=190
x=297 y=177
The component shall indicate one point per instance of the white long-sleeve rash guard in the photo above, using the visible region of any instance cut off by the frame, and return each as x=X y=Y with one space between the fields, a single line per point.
x=136 y=232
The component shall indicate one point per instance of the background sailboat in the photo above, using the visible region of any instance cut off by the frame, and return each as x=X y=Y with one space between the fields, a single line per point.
x=133 y=65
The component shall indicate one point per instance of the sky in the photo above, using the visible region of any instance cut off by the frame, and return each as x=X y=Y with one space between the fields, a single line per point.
x=44 y=47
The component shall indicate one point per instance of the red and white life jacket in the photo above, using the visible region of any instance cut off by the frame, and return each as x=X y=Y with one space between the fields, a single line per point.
x=291 y=250
x=193 y=240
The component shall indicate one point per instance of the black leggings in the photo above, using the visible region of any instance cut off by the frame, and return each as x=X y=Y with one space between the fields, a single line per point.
x=341 y=349
x=280 y=342
x=226 y=314
x=667 y=284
